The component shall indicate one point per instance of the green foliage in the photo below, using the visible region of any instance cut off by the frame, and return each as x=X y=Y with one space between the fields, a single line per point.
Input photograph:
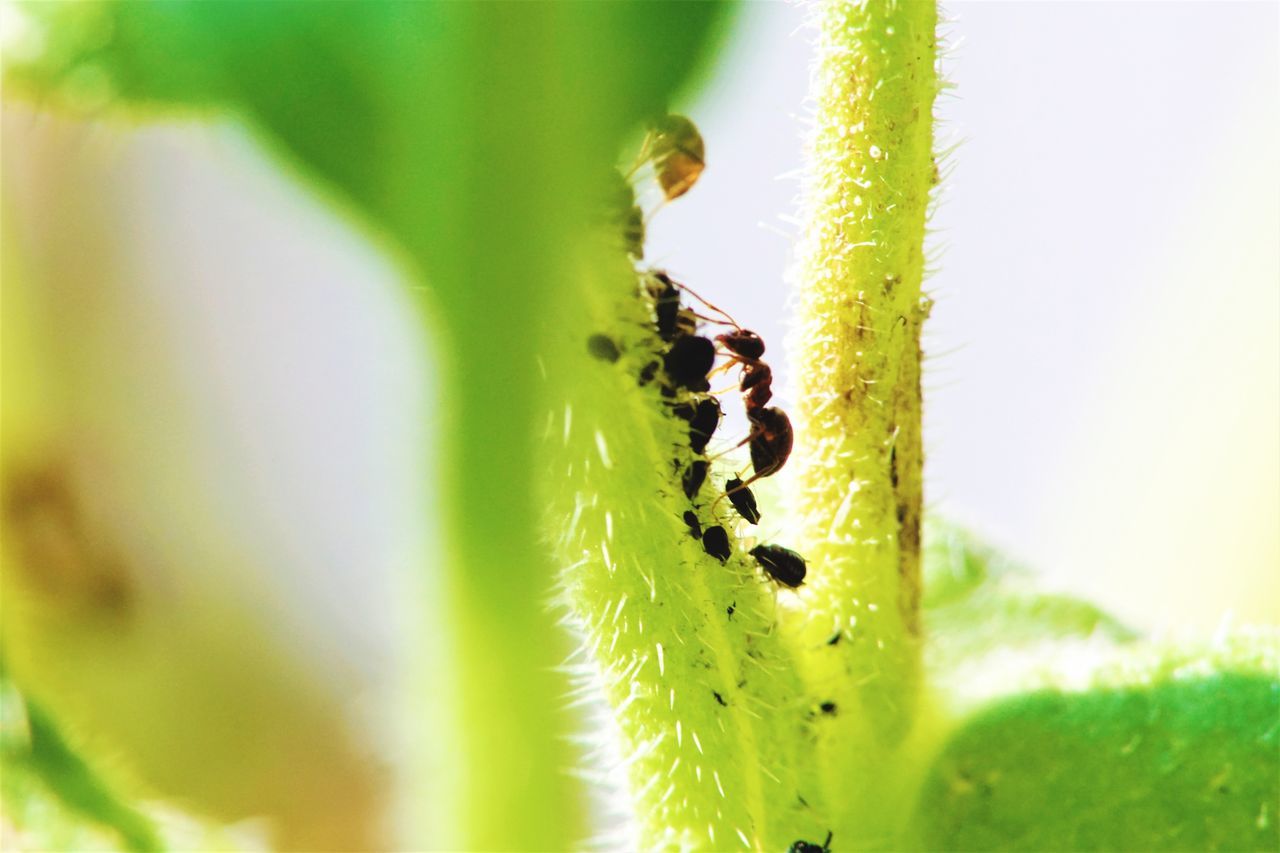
x=1184 y=763
x=50 y=792
x=52 y=798
x=981 y=611
x=1070 y=734
x=472 y=138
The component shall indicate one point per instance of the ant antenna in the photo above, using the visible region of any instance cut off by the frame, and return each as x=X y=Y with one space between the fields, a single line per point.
x=715 y=308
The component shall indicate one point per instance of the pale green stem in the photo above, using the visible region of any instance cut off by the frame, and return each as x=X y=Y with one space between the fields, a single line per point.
x=858 y=444
x=712 y=722
x=748 y=716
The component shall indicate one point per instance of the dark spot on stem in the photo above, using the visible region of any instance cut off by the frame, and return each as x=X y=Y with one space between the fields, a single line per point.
x=603 y=348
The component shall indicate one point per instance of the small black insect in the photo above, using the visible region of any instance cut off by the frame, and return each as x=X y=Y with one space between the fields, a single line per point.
x=688 y=362
x=603 y=348
x=694 y=476
x=633 y=231
x=827 y=707
x=620 y=211
x=782 y=564
x=706 y=417
x=666 y=304
x=715 y=541
x=719 y=698
x=810 y=847
x=691 y=519
x=703 y=418
x=742 y=499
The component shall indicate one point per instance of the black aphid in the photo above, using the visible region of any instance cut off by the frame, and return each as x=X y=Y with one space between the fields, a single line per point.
x=810 y=847
x=603 y=348
x=703 y=423
x=666 y=305
x=620 y=211
x=827 y=707
x=695 y=527
x=715 y=541
x=782 y=564
x=742 y=499
x=689 y=361
x=694 y=476
x=700 y=386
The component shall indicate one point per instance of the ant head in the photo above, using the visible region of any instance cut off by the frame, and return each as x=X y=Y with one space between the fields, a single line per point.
x=743 y=342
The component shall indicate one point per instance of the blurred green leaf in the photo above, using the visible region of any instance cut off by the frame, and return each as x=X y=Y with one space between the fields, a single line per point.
x=474 y=136
x=50 y=794
x=53 y=798
x=977 y=602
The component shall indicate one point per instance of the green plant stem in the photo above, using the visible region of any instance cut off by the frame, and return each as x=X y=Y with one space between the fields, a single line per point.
x=858 y=443
x=706 y=702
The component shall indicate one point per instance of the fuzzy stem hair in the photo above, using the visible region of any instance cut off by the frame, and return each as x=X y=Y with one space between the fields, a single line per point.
x=858 y=456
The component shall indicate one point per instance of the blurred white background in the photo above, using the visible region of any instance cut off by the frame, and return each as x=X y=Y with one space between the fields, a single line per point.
x=1103 y=382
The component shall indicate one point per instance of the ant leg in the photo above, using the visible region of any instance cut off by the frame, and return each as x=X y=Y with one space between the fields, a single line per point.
x=742 y=485
x=754 y=434
x=722 y=368
x=646 y=152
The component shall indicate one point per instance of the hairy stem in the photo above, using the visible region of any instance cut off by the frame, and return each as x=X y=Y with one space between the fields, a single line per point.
x=707 y=704
x=858 y=444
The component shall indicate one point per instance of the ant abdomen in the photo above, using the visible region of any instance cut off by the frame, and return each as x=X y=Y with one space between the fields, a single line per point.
x=771 y=442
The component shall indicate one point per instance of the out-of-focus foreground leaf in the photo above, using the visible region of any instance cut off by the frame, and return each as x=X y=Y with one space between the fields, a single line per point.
x=53 y=799
x=472 y=137
x=50 y=789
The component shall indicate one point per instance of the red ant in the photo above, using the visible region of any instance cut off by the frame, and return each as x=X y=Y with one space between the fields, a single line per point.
x=771 y=440
x=745 y=348
x=688 y=362
x=771 y=435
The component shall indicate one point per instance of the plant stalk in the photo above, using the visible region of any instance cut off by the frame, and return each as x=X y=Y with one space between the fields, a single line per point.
x=858 y=455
